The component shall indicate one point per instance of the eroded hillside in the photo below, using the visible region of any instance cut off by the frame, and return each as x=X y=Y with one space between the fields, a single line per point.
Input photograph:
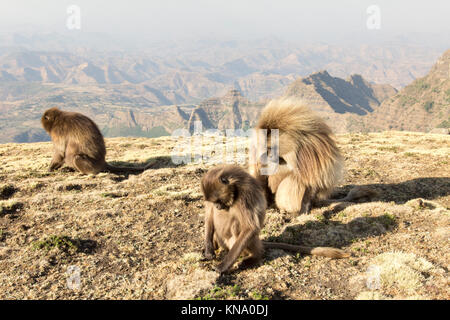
x=424 y=105
x=140 y=236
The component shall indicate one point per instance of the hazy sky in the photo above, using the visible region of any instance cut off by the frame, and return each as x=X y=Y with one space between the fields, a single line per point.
x=321 y=20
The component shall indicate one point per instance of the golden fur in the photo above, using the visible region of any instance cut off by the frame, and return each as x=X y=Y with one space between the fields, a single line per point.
x=313 y=161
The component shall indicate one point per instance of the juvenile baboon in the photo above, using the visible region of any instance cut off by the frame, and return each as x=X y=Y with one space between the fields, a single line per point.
x=77 y=142
x=310 y=162
x=235 y=209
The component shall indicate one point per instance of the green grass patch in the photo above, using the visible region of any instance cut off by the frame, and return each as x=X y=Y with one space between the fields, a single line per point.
x=259 y=296
x=394 y=149
x=388 y=220
x=61 y=242
x=219 y=293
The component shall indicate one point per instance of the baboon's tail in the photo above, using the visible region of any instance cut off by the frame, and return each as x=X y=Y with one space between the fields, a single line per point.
x=329 y=252
x=358 y=193
x=117 y=169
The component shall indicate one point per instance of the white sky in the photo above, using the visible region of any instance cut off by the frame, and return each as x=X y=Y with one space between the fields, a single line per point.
x=290 y=19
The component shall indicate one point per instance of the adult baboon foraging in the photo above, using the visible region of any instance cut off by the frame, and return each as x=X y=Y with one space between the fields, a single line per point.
x=310 y=162
x=77 y=142
x=235 y=209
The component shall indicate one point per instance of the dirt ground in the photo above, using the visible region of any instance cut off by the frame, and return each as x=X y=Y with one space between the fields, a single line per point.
x=64 y=235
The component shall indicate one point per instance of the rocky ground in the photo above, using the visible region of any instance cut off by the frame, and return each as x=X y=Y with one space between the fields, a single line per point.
x=64 y=235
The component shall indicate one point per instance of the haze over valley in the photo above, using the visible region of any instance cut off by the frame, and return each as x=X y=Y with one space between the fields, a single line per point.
x=221 y=67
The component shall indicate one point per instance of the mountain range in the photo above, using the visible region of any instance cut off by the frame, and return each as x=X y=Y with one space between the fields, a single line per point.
x=423 y=105
x=223 y=84
x=189 y=72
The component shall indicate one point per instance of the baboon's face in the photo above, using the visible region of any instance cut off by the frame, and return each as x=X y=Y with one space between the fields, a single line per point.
x=49 y=117
x=218 y=189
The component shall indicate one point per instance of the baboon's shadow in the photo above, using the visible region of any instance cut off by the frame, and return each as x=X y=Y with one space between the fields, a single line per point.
x=399 y=193
x=86 y=246
x=337 y=234
x=158 y=162
x=153 y=163
x=329 y=233
x=427 y=188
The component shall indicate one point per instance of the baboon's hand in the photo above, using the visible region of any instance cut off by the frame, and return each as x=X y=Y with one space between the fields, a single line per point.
x=54 y=166
x=209 y=254
x=222 y=268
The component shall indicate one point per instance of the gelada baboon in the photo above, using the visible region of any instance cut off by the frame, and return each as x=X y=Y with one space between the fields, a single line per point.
x=310 y=163
x=77 y=142
x=235 y=209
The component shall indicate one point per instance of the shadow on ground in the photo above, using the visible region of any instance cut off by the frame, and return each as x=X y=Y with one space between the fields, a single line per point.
x=400 y=193
x=337 y=234
x=328 y=233
x=154 y=163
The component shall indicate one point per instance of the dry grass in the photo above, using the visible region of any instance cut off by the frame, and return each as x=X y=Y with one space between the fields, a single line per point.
x=140 y=236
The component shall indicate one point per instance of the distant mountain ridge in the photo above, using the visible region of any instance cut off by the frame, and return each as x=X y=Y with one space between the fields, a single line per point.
x=178 y=73
x=232 y=111
x=124 y=111
x=424 y=105
x=127 y=109
x=331 y=97
x=107 y=83
x=326 y=93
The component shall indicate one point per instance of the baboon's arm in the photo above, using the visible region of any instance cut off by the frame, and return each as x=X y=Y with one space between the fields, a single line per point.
x=209 y=233
x=57 y=161
x=241 y=243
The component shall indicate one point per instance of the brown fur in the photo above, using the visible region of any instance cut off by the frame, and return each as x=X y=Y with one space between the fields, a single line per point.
x=77 y=142
x=235 y=208
x=313 y=162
